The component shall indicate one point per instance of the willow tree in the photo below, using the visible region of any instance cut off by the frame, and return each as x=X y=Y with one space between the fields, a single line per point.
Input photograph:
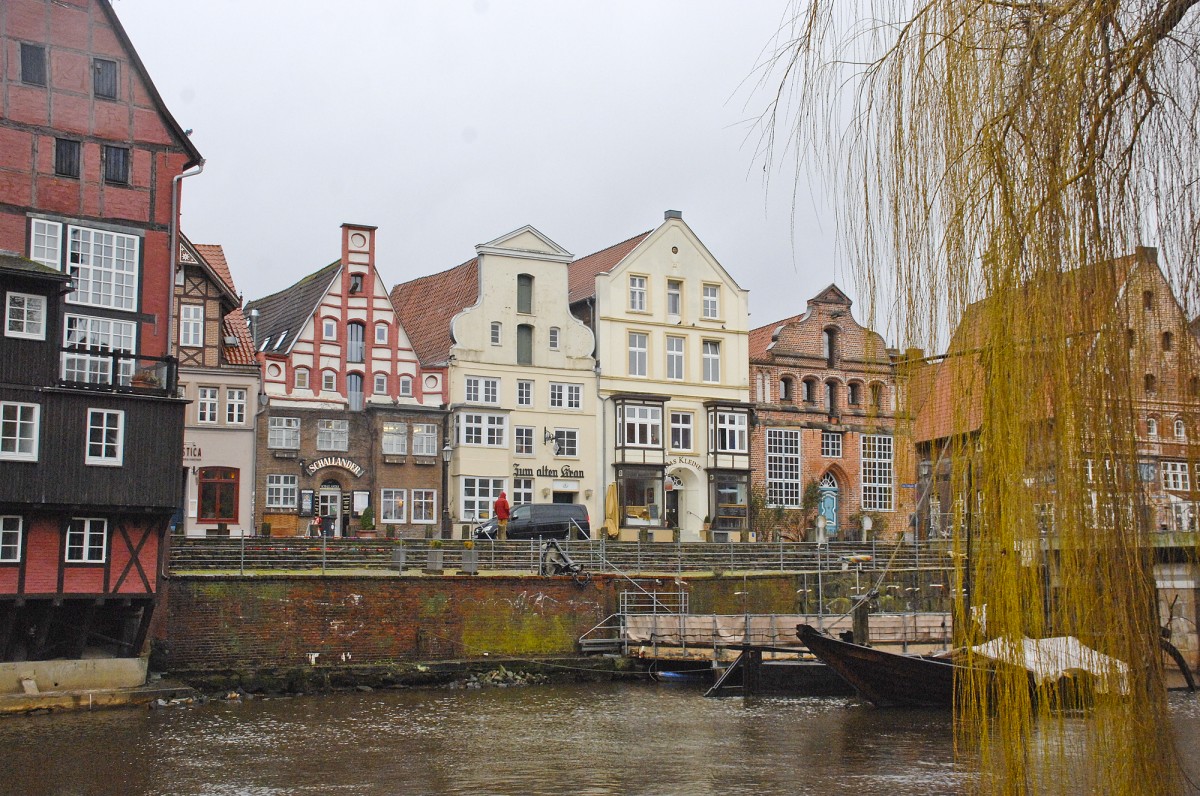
x=999 y=162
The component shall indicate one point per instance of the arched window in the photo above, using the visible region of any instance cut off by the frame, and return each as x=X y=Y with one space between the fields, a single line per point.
x=829 y=346
x=831 y=396
x=300 y=378
x=785 y=389
x=810 y=391
x=328 y=381
x=406 y=385
x=525 y=294
x=381 y=334
x=217 y=489
x=497 y=333
x=355 y=342
x=1148 y=300
x=854 y=396
x=381 y=384
x=1180 y=430
x=329 y=328
x=524 y=344
x=1167 y=340
x=876 y=396
x=1152 y=427
x=354 y=390
x=1151 y=384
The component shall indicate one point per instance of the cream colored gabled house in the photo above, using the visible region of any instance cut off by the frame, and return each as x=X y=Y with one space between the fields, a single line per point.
x=520 y=373
x=671 y=330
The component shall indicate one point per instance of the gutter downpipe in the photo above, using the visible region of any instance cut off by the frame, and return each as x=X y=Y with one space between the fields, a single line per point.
x=174 y=256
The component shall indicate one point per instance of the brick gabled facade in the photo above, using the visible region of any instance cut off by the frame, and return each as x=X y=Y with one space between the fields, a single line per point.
x=825 y=396
x=350 y=418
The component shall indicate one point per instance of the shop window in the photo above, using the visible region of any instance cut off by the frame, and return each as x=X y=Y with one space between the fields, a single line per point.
x=729 y=497
x=640 y=490
x=218 y=490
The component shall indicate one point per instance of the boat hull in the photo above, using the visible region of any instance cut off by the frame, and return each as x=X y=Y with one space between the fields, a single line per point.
x=886 y=679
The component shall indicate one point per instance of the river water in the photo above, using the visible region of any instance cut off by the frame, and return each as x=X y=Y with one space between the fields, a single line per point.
x=594 y=739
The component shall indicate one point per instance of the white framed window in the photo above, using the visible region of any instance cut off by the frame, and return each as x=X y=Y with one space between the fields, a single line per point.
x=831 y=444
x=523 y=440
x=482 y=391
x=235 y=406
x=522 y=491
x=783 y=467
x=497 y=333
x=876 y=472
x=675 y=357
x=1175 y=476
x=566 y=396
x=712 y=361
x=283 y=432
x=643 y=426
x=393 y=507
x=87 y=539
x=425 y=439
x=639 y=345
x=381 y=334
x=328 y=381
x=25 y=316
x=424 y=506
x=637 y=293
x=524 y=393
x=395 y=439
x=381 y=384
x=356 y=342
x=105 y=437
x=730 y=432
x=12 y=528
x=301 y=378
x=1180 y=430
x=333 y=435
x=104 y=266
x=478 y=495
x=483 y=429
x=553 y=337
x=83 y=331
x=45 y=243
x=566 y=442
x=681 y=431
x=674 y=299
x=1152 y=427
x=281 y=491
x=207 y=401
x=329 y=329
x=712 y=301
x=191 y=325
x=19 y=431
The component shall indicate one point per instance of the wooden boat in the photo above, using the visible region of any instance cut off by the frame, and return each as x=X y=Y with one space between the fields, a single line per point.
x=885 y=678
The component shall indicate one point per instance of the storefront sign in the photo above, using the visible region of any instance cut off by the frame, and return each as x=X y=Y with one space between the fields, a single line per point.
x=546 y=472
x=191 y=451
x=686 y=462
x=334 y=461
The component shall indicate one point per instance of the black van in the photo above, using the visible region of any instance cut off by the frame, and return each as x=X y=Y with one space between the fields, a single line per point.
x=542 y=521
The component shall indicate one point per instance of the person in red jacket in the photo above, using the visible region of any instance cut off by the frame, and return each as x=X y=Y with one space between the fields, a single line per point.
x=500 y=509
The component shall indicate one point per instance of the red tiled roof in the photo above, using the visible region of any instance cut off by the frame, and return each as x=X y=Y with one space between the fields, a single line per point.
x=581 y=280
x=243 y=352
x=214 y=255
x=760 y=338
x=426 y=306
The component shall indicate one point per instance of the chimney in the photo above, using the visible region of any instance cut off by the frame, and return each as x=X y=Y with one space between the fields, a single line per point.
x=670 y=214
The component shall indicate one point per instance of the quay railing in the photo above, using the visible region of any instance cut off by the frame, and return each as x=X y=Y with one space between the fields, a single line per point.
x=273 y=554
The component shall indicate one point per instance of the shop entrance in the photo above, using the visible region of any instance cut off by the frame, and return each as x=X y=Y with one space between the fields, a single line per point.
x=329 y=508
x=564 y=497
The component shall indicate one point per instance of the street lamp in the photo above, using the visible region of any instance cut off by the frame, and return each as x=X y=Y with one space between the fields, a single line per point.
x=447 y=451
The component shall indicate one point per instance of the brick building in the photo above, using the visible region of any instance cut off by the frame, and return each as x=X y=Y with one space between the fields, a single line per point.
x=348 y=417
x=90 y=428
x=825 y=398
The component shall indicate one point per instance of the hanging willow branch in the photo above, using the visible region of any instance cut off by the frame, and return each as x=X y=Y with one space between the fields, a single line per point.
x=1000 y=166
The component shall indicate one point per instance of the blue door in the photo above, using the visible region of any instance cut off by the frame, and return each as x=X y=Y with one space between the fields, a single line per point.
x=827 y=503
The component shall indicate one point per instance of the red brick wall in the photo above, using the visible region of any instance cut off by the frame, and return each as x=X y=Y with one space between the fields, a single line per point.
x=219 y=623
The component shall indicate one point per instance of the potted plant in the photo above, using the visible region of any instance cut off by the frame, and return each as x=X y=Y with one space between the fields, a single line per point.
x=433 y=558
x=146 y=379
x=470 y=558
x=707 y=526
x=366 y=523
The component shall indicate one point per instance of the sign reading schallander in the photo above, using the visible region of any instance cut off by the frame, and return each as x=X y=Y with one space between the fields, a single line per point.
x=335 y=461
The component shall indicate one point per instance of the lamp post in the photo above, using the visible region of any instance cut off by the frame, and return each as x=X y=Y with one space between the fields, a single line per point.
x=447 y=451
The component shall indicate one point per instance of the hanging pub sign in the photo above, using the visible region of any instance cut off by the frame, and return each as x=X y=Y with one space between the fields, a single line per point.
x=306 y=502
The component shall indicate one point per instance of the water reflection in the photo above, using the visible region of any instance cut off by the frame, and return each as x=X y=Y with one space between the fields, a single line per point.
x=605 y=739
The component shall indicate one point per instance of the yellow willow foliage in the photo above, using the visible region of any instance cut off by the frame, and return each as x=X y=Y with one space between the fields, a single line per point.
x=1005 y=161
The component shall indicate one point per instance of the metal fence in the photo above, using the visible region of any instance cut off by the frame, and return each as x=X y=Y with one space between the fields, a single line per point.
x=264 y=554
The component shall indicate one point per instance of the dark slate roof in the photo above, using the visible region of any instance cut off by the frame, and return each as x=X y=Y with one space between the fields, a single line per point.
x=14 y=263
x=426 y=306
x=286 y=312
x=581 y=281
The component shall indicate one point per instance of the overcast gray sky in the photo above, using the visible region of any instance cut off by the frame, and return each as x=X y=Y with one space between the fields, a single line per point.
x=448 y=123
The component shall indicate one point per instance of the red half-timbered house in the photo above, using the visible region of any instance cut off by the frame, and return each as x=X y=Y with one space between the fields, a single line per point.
x=90 y=426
